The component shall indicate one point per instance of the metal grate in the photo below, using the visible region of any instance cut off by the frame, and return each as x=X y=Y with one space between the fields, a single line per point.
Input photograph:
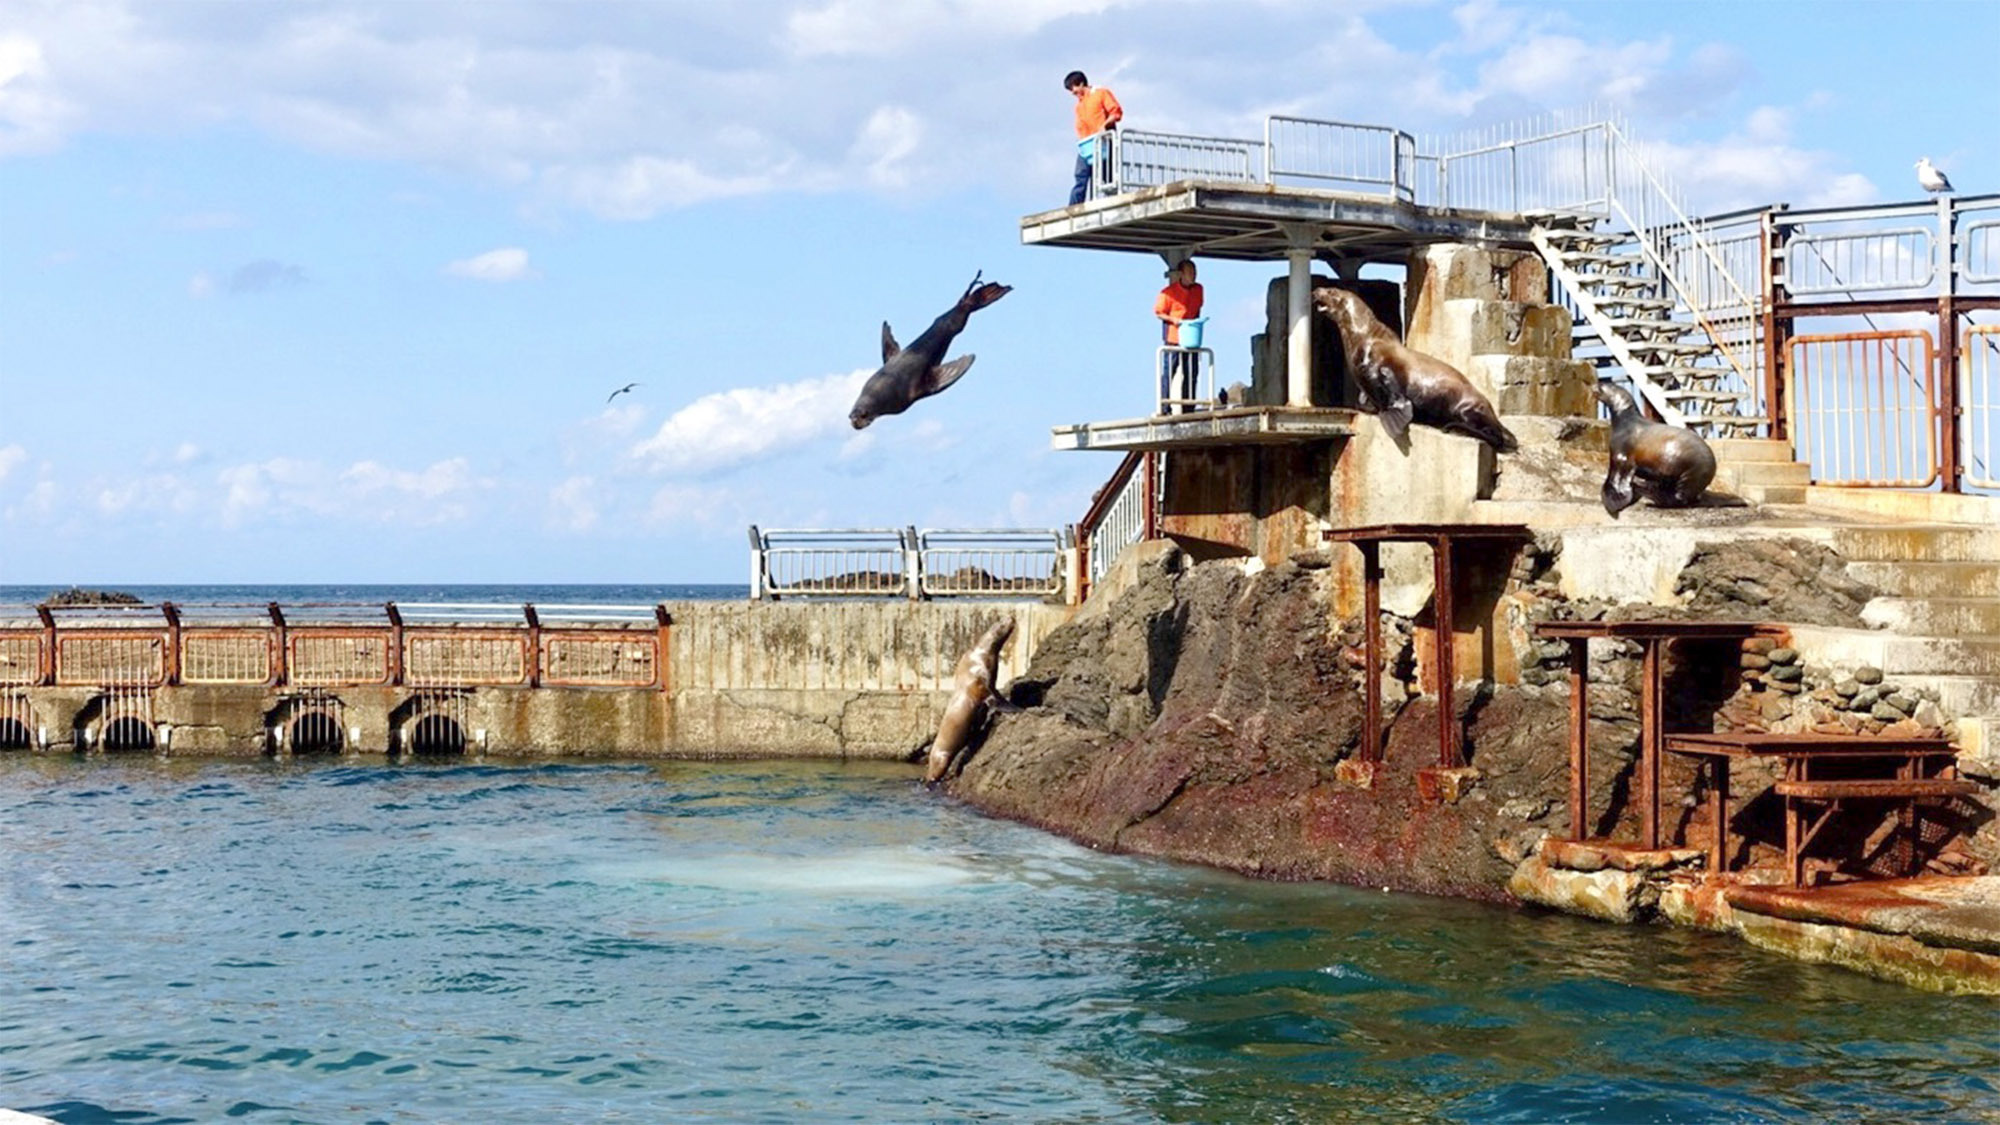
x=104 y=658
x=334 y=657
x=18 y=727
x=1865 y=406
x=20 y=658
x=582 y=660
x=459 y=658
x=1979 y=398
x=236 y=656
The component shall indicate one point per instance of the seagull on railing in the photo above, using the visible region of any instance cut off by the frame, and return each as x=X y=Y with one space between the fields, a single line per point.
x=1931 y=177
x=620 y=391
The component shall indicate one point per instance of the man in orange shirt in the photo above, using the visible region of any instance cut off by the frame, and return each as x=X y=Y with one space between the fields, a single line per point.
x=1179 y=301
x=1096 y=111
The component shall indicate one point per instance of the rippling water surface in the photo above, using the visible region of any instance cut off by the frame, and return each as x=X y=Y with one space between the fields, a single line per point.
x=805 y=942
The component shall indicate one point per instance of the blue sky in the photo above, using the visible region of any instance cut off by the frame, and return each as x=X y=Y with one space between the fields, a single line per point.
x=335 y=291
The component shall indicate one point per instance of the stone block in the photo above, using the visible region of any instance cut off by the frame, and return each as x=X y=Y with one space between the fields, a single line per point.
x=1520 y=384
x=1439 y=785
x=1461 y=329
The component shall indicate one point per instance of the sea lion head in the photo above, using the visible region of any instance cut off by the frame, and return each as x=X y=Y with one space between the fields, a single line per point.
x=1615 y=397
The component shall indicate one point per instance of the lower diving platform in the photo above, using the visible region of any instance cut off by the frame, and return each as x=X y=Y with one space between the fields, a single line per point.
x=1226 y=426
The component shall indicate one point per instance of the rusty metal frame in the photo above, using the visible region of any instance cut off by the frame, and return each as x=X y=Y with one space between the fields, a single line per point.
x=1874 y=411
x=288 y=671
x=413 y=635
x=1442 y=540
x=156 y=635
x=38 y=674
x=1979 y=406
x=192 y=634
x=646 y=638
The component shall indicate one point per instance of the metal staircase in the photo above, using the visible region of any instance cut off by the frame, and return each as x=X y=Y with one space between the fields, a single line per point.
x=1628 y=319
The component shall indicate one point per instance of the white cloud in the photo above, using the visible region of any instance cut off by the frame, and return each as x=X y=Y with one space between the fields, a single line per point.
x=890 y=137
x=367 y=491
x=571 y=506
x=11 y=456
x=678 y=505
x=34 y=116
x=509 y=263
x=639 y=187
x=187 y=453
x=732 y=428
x=201 y=285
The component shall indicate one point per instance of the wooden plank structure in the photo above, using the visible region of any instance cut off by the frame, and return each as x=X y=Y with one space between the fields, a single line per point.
x=1921 y=768
x=1443 y=540
x=1652 y=637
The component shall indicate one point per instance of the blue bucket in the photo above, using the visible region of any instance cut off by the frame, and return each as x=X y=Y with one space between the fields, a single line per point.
x=1087 y=148
x=1190 y=335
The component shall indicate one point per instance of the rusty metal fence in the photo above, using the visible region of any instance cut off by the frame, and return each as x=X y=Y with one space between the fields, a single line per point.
x=127 y=651
x=1864 y=408
x=1979 y=398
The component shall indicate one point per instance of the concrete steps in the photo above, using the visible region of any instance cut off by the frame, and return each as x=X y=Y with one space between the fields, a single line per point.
x=1901 y=655
x=1919 y=543
x=1760 y=470
x=1936 y=616
x=1909 y=579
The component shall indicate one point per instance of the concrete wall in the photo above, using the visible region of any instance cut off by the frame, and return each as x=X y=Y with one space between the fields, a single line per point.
x=831 y=678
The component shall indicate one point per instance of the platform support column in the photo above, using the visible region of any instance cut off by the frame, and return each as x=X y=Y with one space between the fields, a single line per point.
x=1298 y=344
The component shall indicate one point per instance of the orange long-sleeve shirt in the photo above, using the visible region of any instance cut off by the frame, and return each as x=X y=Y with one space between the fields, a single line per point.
x=1177 y=303
x=1096 y=109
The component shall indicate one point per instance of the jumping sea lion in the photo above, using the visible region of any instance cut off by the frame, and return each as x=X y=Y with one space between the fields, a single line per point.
x=972 y=696
x=908 y=374
x=1665 y=464
x=1404 y=385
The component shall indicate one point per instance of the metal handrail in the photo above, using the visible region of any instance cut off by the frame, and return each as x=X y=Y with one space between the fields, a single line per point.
x=904 y=562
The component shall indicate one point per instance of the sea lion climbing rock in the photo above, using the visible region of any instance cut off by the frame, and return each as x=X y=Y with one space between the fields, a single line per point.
x=972 y=698
x=1665 y=464
x=1404 y=385
x=918 y=371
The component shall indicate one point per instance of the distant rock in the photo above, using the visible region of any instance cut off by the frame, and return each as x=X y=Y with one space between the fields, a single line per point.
x=77 y=595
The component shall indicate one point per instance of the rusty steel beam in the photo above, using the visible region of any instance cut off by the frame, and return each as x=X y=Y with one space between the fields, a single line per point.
x=171 y=659
x=48 y=654
x=281 y=660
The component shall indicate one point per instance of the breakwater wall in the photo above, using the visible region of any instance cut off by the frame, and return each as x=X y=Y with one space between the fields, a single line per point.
x=834 y=678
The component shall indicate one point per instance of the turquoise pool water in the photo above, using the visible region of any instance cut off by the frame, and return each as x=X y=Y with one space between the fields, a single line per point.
x=791 y=942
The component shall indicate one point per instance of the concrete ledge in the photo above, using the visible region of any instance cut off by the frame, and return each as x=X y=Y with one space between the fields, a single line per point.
x=1937 y=507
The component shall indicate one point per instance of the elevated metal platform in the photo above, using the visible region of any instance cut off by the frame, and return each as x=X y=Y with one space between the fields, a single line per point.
x=1234 y=426
x=1262 y=222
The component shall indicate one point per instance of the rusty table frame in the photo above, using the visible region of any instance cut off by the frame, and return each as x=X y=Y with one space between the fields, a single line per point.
x=1651 y=636
x=1913 y=755
x=1441 y=537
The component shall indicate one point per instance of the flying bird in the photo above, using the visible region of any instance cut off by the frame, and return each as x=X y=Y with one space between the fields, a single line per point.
x=918 y=371
x=620 y=391
x=1932 y=177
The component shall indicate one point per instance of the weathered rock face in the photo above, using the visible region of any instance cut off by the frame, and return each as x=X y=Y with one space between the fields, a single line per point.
x=1202 y=719
x=1787 y=580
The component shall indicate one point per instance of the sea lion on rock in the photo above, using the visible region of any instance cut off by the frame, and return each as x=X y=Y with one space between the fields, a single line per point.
x=1404 y=385
x=971 y=698
x=918 y=371
x=1666 y=464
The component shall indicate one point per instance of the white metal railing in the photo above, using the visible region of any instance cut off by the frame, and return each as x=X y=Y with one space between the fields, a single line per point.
x=1340 y=153
x=905 y=562
x=1016 y=561
x=1981 y=264
x=1122 y=523
x=1860 y=261
x=1128 y=159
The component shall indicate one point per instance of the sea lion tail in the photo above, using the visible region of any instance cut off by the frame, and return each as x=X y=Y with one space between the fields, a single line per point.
x=979 y=296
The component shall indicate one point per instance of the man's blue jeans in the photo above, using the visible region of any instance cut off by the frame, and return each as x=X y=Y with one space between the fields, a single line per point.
x=1078 y=193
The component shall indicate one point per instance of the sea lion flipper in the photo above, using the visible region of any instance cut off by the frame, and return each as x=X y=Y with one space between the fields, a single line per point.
x=889 y=345
x=1617 y=492
x=945 y=374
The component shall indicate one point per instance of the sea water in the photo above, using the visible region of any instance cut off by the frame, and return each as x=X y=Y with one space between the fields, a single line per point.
x=804 y=942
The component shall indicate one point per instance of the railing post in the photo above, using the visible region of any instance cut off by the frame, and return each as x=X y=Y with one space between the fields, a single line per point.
x=395 y=653
x=1149 y=493
x=756 y=564
x=1298 y=307
x=534 y=644
x=47 y=671
x=281 y=659
x=664 y=622
x=1949 y=466
x=170 y=663
x=1777 y=329
x=913 y=582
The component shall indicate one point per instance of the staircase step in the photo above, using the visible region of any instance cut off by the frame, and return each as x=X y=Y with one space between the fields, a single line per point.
x=1921 y=542
x=1671 y=347
x=1898 y=656
x=1771 y=493
x=1904 y=578
x=1598 y=258
x=1590 y=237
x=1682 y=394
x=1626 y=300
x=1945 y=617
x=1737 y=450
x=1617 y=280
x=1792 y=474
